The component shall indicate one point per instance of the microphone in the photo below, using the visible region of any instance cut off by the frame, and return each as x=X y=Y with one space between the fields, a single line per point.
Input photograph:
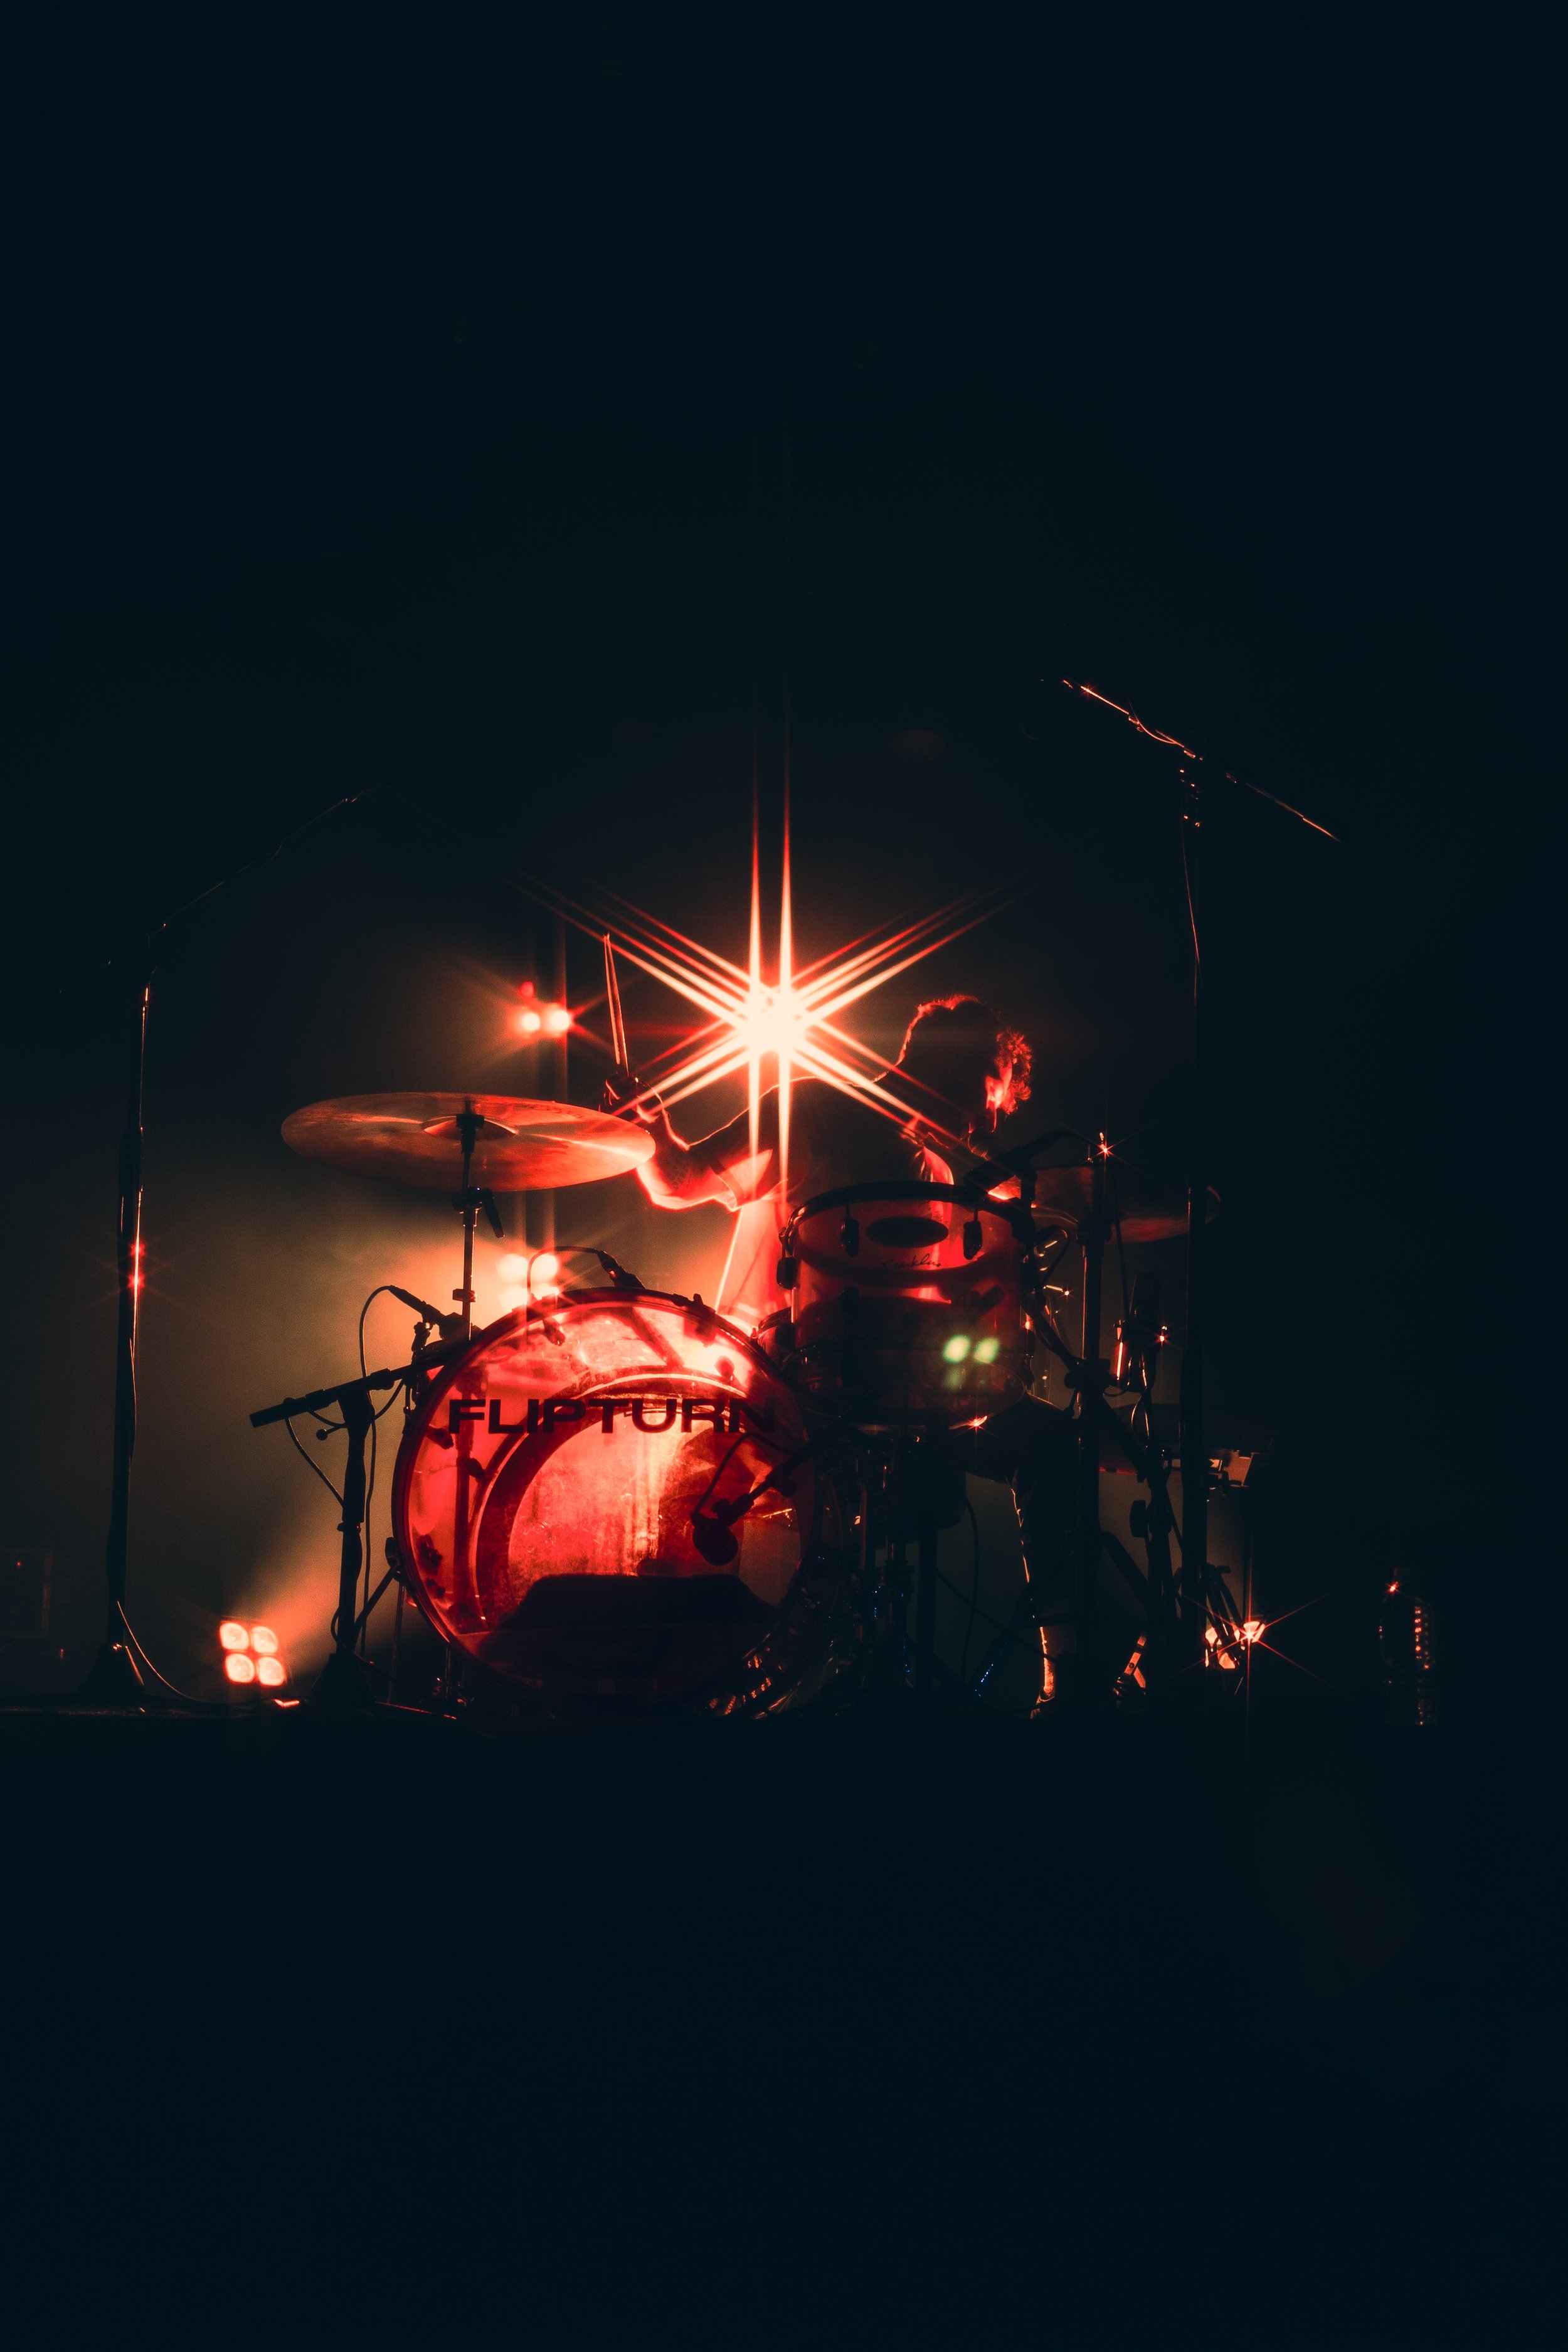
x=425 y=1312
x=711 y=1529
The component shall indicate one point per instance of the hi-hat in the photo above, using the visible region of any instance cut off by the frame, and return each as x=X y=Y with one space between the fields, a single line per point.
x=414 y=1140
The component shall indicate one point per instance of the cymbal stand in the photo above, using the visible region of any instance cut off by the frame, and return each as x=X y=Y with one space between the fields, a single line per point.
x=1088 y=1375
x=1090 y=1379
x=469 y=1198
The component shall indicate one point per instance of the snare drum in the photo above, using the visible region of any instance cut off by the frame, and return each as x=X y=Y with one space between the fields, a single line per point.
x=558 y=1506
x=908 y=1302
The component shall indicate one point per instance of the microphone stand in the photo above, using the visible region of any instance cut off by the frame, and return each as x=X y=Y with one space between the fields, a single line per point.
x=1195 y=1579
x=115 y=1677
x=1193 y=1445
x=341 y=1681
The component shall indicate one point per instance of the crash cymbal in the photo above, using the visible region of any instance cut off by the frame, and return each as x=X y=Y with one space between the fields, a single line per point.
x=413 y=1140
x=1149 y=1212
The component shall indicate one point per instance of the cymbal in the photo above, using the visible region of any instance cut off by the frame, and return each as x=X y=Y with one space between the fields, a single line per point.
x=1149 y=1212
x=523 y=1146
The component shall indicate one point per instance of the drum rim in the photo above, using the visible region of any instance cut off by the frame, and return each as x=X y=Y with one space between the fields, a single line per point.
x=845 y=1196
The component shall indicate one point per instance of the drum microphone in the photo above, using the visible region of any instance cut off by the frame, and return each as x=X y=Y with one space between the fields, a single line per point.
x=711 y=1529
x=710 y=1534
x=425 y=1312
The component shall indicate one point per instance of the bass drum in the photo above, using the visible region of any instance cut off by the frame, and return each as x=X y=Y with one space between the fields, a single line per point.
x=559 y=1507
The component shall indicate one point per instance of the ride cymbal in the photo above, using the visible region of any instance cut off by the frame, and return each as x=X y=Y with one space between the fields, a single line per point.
x=413 y=1140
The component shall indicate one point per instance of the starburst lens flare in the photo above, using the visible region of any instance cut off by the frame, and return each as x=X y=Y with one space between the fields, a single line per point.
x=786 y=1028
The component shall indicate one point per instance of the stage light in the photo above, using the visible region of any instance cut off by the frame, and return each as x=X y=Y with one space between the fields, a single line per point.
x=510 y=1297
x=956 y=1349
x=1253 y=1630
x=512 y=1267
x=536 y=1020
x=986 y=1351
x=251 y=1654
x=541 y=1276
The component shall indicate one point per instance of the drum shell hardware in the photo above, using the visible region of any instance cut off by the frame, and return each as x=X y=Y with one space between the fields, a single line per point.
x=906 y=1303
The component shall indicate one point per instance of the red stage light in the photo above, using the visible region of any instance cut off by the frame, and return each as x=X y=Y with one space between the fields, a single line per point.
x=272 y=1671
x=233 y=1636
x=239 y=1667
x=264 y=1641
x=536 y=1020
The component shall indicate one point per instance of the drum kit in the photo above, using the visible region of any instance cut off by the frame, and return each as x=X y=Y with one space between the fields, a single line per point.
x=612 y=1498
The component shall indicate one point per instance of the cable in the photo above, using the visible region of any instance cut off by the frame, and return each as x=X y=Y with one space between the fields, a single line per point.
x=316 y=1466
x=958 y=1594
x=202 y=1706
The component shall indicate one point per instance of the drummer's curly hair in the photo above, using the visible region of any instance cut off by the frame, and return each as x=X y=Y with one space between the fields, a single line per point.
x=945 y=1024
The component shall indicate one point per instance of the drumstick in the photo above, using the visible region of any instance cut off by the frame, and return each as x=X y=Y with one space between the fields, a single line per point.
x=612 y=992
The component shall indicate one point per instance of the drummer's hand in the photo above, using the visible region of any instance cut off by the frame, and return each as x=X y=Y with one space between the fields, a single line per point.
x=622 y=1088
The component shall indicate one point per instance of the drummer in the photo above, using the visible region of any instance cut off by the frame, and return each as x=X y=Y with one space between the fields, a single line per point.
x=960 y=1070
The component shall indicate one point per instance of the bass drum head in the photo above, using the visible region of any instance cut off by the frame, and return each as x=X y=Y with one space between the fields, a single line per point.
x=558 y=1508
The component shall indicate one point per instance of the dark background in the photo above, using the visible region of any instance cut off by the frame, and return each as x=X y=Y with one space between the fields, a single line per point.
x=497 y=437
x=417 y=410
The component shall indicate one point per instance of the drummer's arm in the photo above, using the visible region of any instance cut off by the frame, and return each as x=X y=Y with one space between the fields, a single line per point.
x=722 y=1168
x=681 y=1175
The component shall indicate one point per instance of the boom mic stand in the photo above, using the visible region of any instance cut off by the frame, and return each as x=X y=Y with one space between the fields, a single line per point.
x=1195 y=1574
